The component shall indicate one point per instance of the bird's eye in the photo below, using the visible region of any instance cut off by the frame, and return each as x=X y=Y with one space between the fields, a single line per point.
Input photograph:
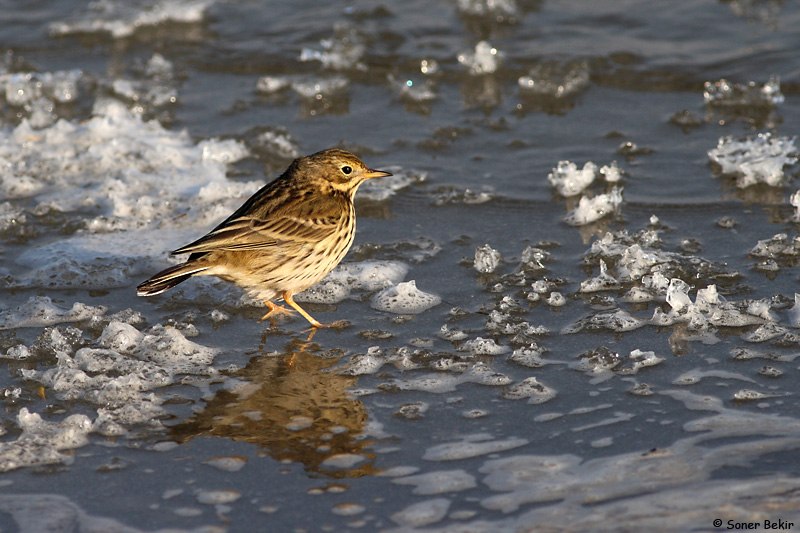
x=346 y=169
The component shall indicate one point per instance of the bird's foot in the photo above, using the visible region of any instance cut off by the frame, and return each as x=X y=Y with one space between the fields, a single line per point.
x=275 y=310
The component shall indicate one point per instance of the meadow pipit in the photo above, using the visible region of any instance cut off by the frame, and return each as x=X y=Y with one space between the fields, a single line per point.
x=285 y=238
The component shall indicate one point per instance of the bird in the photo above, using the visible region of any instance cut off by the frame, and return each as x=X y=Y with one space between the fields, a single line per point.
x=284 y=238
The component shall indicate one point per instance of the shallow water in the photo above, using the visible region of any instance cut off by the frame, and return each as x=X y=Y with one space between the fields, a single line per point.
x=626 y=373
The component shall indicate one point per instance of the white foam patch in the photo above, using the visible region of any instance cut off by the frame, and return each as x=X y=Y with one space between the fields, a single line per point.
x=568 y=180
x=759 y=159
x=227 y=463
x=641 y=489
x=439 y=482
x=369 y=275
x=131 y=171
x=404 y=298
x=777 y=246
x=118 y=373
x=122 y=19
x=611 y=172
x=364 y=276
x=83 y=262
x=484 y=60
x=593 y=209
x=36 y=93
x=724 y=93
x=499 y=10
x=217 y=497
x=709 y=309
x=42 y=442
x=441 y=382
x=362 y=364
x=52 y=512
x=307 y=87
x=325 y=292
x=40 y=311
x=531 y=389
x=423 y=513
x=413 y=92
x=603 y=282
x=487 y=259
x=555 y=79
x=343 y=461
x=471 y=446
x=794 y=312
x=341 y=52
x=654 y=273
x=119 y=179
x=602 y=364
x=529 y=356
x=614 y=320
x=481 y=346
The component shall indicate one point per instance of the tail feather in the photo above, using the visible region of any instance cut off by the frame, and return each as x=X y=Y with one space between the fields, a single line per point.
x=168 y=278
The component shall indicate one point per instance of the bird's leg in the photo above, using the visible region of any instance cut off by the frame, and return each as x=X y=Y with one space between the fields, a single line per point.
x=287 y=297
x=275 y=309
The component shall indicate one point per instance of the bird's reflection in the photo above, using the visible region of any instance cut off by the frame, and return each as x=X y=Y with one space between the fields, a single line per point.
x=292 y=406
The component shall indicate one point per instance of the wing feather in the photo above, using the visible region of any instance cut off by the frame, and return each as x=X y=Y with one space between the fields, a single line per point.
x=252 y=232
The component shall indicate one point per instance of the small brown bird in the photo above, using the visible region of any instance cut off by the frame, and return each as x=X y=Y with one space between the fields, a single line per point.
x=285 y=238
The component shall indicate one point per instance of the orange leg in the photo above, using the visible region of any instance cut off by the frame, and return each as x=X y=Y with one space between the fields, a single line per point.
x=287 y=297
x=275 y=310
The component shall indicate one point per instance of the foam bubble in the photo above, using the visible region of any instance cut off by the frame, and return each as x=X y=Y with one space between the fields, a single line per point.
x=723 y=93
x=227 y=464
x=568 y=180
x=593 y=209
x=342 y=52
x=36 y=93
x=367 y=276
x=487 y=259
x=41 y=441
x=555 y=79
x=752 y=160
x=603 y=282
x=217 y=497
x=404 y=298
x=484 y=60
x=122 y=19
x=423 y=513
x=361 y=364
x=471 y=446
x=411 y=92
x=500 y=10
x=114 y=173
x=480 y=346
x=556 y=299
x=530 y=356
x=613 y=174
x=453 y=334
x=118 y=372
x=40 y=311
x=342 y=461
x=531 y=389
x=438 y=482
x=327 y=291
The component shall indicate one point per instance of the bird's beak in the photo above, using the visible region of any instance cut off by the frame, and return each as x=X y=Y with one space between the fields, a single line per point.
x=375 y=174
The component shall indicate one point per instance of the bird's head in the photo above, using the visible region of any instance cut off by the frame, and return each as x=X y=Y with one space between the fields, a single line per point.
x=340 y=168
